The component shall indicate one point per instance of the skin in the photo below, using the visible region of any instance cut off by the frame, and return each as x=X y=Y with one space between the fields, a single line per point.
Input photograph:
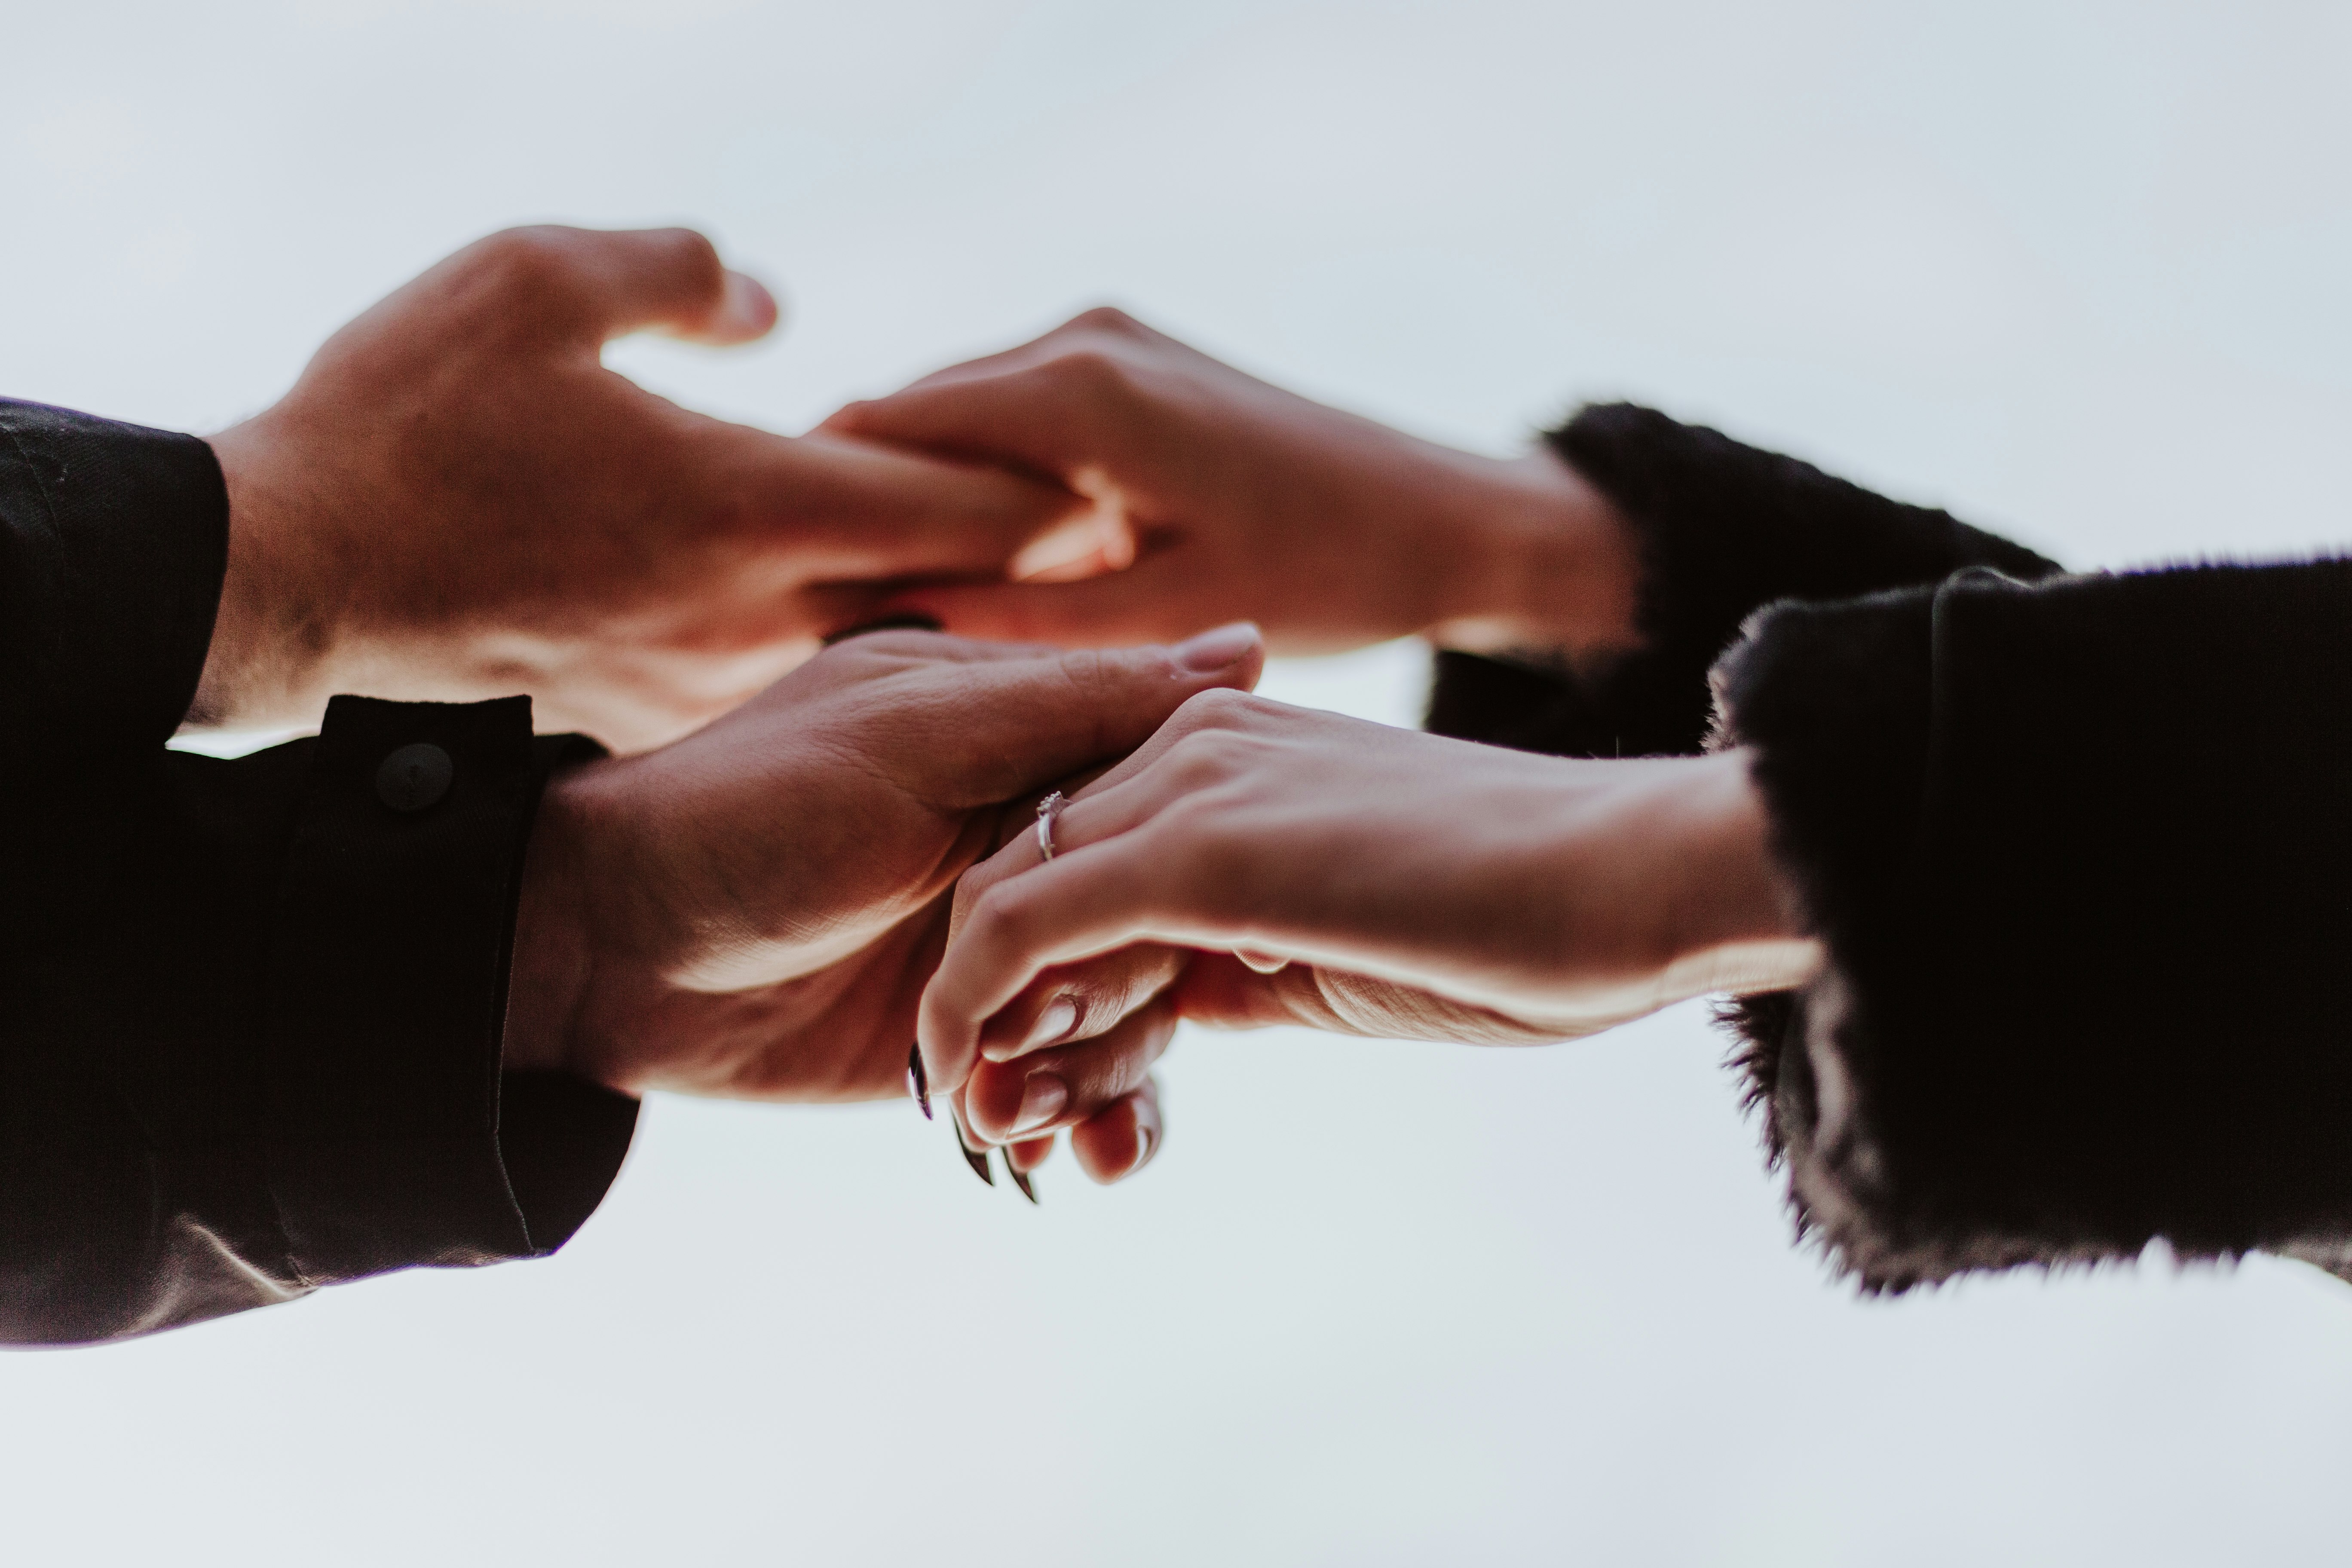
x=752 y=910
x=1218 y=497
x=457 y=500
x=1259 y=864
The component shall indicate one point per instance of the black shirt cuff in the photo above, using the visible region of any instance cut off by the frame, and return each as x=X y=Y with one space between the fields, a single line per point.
x=113 y=544
x=393 y=1140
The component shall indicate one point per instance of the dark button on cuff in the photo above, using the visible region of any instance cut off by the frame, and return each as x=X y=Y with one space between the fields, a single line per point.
x=415 y=777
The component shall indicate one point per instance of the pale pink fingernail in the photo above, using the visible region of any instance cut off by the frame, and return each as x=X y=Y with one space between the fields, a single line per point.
x=1214 y=650
x=1052 y=1023
x=1042 y=1099
x=746 y=309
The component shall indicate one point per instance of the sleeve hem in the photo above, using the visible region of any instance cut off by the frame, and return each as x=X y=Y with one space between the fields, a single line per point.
x=1720 y=529
x=2079 y=995
x=394 y=1138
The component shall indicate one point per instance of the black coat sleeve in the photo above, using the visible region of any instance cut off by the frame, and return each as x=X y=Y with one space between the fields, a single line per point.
x=250 y=1038
x=2081 y=852
x=2079 y=848
x=1722 y=529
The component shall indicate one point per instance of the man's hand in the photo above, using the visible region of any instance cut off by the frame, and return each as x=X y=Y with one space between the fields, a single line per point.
x=1222 y=498
x=753 y=911
x=458 y=500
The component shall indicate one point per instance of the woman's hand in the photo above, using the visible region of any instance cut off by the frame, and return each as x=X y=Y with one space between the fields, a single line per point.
x=1259 y=864
x=458 y=500
x=1219 y=497
x=753 y=911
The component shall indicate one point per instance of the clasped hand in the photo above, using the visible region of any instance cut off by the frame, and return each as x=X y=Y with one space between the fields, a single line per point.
x=1257 y=864
x=458 y=500
x=751 y=911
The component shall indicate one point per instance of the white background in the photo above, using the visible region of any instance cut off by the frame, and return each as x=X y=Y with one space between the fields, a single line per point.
x=2076 y=270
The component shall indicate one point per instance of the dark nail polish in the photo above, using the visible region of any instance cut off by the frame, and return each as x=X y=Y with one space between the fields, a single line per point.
x=976 y=1158
x=918 y=1083
x=1020 y=1177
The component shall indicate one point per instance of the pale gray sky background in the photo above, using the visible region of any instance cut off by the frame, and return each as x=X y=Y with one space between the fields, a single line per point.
x=2077 y=271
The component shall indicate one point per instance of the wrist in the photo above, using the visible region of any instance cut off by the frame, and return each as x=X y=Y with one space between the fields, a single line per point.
x=1735 y=922
x=1552 y=567
x=547 y=983
x=267 y=663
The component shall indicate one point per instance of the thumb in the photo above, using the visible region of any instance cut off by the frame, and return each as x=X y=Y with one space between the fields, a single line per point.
x=747 y=310
x=597 y=284
x=1009 y=722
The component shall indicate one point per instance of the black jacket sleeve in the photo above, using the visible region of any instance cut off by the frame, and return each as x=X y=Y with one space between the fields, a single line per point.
x=2081 y=853
x=250 y=1011
x=1723 y=529
x=2079 y=848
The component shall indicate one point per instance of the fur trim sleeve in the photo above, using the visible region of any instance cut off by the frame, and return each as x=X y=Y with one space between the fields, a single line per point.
x=1722 y=529
x=2082 y=855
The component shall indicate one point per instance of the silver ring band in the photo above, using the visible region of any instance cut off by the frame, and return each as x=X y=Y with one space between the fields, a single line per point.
x=1048 y=809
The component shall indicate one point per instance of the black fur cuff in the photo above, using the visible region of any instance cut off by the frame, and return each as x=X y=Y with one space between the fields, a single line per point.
x=2079 y=852
x=1722 y=529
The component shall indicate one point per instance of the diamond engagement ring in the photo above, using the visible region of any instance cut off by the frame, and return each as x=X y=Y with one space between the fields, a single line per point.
x=1048 y=809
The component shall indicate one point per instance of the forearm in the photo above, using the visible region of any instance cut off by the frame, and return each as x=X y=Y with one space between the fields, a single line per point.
x=1547 y=568
x=1648 y=882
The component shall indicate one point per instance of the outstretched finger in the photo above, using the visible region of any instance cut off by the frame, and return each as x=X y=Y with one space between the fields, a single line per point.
x=860 y=511
x=593 y=284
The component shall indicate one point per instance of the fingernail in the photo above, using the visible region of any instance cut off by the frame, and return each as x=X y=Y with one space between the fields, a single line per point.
x=919 y=1083
x=1143 y=1141
x=976 y=1158
x=1216 y=649
x=1052 y=1023
x=1020 y=1177
x=1042 y=1099
x=746 y=309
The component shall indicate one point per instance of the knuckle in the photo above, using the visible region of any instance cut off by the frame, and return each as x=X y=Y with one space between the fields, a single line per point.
x=1207 y=756
x=1004 y=916
x=1090 y=373
x=1107 y=318
x=1220 y=707
x=971 y=888
x=534 y=259
x=1084 y=668
x=691 y=253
